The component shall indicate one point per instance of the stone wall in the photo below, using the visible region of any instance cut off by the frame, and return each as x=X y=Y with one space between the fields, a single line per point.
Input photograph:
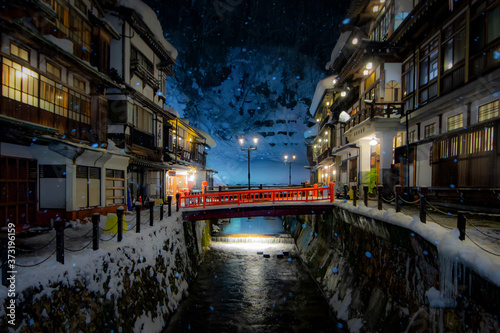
x=380 y=277
x=132 y=286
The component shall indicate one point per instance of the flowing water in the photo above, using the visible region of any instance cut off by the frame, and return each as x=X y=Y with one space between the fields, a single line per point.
x=253 y=287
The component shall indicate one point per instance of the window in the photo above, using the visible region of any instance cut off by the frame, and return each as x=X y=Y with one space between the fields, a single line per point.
x=19 y=52
x=80 y=34
x=88 y=186
x=140 y=60
x=78 y=83
x=488 y=111
x=392 y=92
x=19 y=83
x=408 y=77
x=428 y=71
x=81 y=6
x=454 y=44
x=455 y=122
x=54 y=70
x=115 y=187
x=66 y=102
x=143 y=120
x=493 y=24
x=430 y=130
x=370 y=80
x=411 y=136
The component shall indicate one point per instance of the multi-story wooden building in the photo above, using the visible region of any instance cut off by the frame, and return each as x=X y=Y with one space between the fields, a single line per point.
x=82 y=114
x=140 y=122
x=413 y=91
x=55 y=159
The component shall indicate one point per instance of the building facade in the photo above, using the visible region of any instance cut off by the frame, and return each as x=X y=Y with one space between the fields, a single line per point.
x=83 y=125
x=54 y=153
x=412 y=96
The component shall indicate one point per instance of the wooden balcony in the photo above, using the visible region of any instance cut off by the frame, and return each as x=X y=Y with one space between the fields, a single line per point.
x=144 y=74
x=375 y=110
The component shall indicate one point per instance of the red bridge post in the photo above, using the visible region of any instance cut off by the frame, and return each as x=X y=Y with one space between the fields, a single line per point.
x=332 y=192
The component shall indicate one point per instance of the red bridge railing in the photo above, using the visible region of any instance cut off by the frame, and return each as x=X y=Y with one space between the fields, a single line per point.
x=258 y=196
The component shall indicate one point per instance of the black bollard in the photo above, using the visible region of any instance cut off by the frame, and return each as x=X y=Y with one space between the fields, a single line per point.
x=138 y=217
x=151 y=212
x=365 y=193
x=119 y=213
x=423 y=204
x=461 y=222
x=380 y=189
x=5 y=257
x=59 y=225
x=161 y=211
x=95 y=231
x=177 y=203
x=169 y=201
x=354 y=195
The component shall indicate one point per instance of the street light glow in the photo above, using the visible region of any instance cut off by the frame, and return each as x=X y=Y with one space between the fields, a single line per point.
x=241 y=141
x=355 y=41
x=255 y=140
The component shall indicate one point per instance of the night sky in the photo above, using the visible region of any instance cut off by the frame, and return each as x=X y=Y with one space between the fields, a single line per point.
x=250 y=68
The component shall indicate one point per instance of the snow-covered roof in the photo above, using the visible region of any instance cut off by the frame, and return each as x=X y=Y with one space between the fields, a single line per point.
x=321 y=87
x=151 y=20
x=211 y=142
x=344 y=37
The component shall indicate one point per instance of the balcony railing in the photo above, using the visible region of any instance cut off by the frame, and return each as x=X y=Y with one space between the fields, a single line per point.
x=142 y=72
x=375 y=110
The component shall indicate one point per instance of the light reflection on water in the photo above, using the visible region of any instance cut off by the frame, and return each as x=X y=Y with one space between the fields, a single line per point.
x=238 y=290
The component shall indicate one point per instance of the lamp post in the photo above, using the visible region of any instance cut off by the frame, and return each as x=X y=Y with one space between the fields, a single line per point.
x=255 y=140
x=289 y=168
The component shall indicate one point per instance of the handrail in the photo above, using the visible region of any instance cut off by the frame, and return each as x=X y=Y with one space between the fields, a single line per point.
x=258 y=196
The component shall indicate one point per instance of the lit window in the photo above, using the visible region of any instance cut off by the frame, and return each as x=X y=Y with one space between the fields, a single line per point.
x=19 y=52
x=19 y=83
x=78 y=83
x=455 y=122
x=488 y=111
x=430 y=130
x=54 y=70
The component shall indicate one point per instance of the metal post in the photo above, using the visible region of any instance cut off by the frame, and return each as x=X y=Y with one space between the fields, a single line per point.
x=346 y=188
x=423 y=204
x=461 y=225
x=161 y=211
x=397 y=193
x=95 y=231
x=365 y=198
x=380 y=189
x=60 y=241
x=248 y=150
x=169 y=202
x=137 y=217
x=151 y=212
x=177 y=203
x=354 y=196
x=119 y=213
x=289 y=173
x=5 y=256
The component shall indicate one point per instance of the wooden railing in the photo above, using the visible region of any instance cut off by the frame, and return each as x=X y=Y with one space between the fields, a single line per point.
x=258 y=196
x=376 y=110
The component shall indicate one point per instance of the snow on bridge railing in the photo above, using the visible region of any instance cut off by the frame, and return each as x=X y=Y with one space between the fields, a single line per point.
x=258 y=196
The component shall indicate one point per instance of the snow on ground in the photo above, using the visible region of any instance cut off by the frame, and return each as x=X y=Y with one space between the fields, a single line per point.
x=87 y=265
x=446 y=241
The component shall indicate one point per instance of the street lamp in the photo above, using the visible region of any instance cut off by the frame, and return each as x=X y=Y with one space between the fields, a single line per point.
x=241 y=141
x=289 y=168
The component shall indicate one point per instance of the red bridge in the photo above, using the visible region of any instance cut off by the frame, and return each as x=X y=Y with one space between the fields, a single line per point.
x=271 y=202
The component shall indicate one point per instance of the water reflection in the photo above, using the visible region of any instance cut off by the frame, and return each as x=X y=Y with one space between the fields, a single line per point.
x=239 y=290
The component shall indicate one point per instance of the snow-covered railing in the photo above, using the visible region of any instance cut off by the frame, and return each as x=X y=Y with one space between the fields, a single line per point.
x=258 y=196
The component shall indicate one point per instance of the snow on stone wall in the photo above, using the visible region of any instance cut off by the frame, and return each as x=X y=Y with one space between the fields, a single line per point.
x=137 y=283
x=384 y=276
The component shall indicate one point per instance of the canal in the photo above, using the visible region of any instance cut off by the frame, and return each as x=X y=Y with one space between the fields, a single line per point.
x=253 y=286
